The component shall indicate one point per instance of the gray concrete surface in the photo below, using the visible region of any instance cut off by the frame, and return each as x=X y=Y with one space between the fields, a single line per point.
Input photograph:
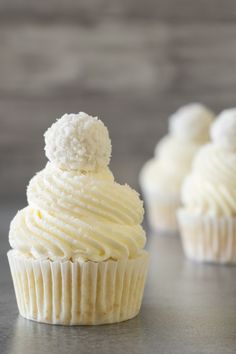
x=187 y=308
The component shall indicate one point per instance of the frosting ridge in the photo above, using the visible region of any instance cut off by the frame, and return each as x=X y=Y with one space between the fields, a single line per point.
x=211 y=186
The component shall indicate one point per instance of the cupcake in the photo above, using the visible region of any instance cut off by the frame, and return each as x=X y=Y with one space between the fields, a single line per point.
x=162 y=176
x=208 y=217
x=77 y=253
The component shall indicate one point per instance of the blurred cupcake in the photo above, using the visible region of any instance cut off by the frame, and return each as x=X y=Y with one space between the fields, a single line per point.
x=78 y=253
x=161 y=177
x=208 y=217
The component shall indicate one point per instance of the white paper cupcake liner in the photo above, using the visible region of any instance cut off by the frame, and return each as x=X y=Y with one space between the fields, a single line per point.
x=161 y=212
x=73 y=293
x=208 y=239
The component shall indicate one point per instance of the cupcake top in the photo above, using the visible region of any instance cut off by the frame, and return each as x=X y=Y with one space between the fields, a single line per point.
x=210 y=189
x=191 y=123
x=78 y=142
x=188 y=130
x=223 y=132
x=76 y=210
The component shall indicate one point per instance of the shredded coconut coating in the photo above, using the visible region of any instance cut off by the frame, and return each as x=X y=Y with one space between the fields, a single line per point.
x=78 y=142
x=223 y=131
x=191 y=122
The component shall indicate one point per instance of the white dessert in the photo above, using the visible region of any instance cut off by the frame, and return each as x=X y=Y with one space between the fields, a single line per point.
x=161 y=178
x=77 y=253
x=208 y=216
x=210 y=189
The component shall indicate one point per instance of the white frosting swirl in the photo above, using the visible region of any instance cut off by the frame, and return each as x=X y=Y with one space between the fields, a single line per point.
x=223 y=131
x=191 y=122
x=166 y=172
x=211 y=187
x=189 y=129
x=78 y=142
x=72 y=216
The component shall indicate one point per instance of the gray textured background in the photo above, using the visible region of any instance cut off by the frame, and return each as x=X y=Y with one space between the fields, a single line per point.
x=131 y=62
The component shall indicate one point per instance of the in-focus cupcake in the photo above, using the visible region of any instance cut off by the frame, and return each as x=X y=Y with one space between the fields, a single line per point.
x=77 y=249
x=162 y=176
x=208 y=217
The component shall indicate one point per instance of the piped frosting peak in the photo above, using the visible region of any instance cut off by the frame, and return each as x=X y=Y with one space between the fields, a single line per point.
x=191 y=122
